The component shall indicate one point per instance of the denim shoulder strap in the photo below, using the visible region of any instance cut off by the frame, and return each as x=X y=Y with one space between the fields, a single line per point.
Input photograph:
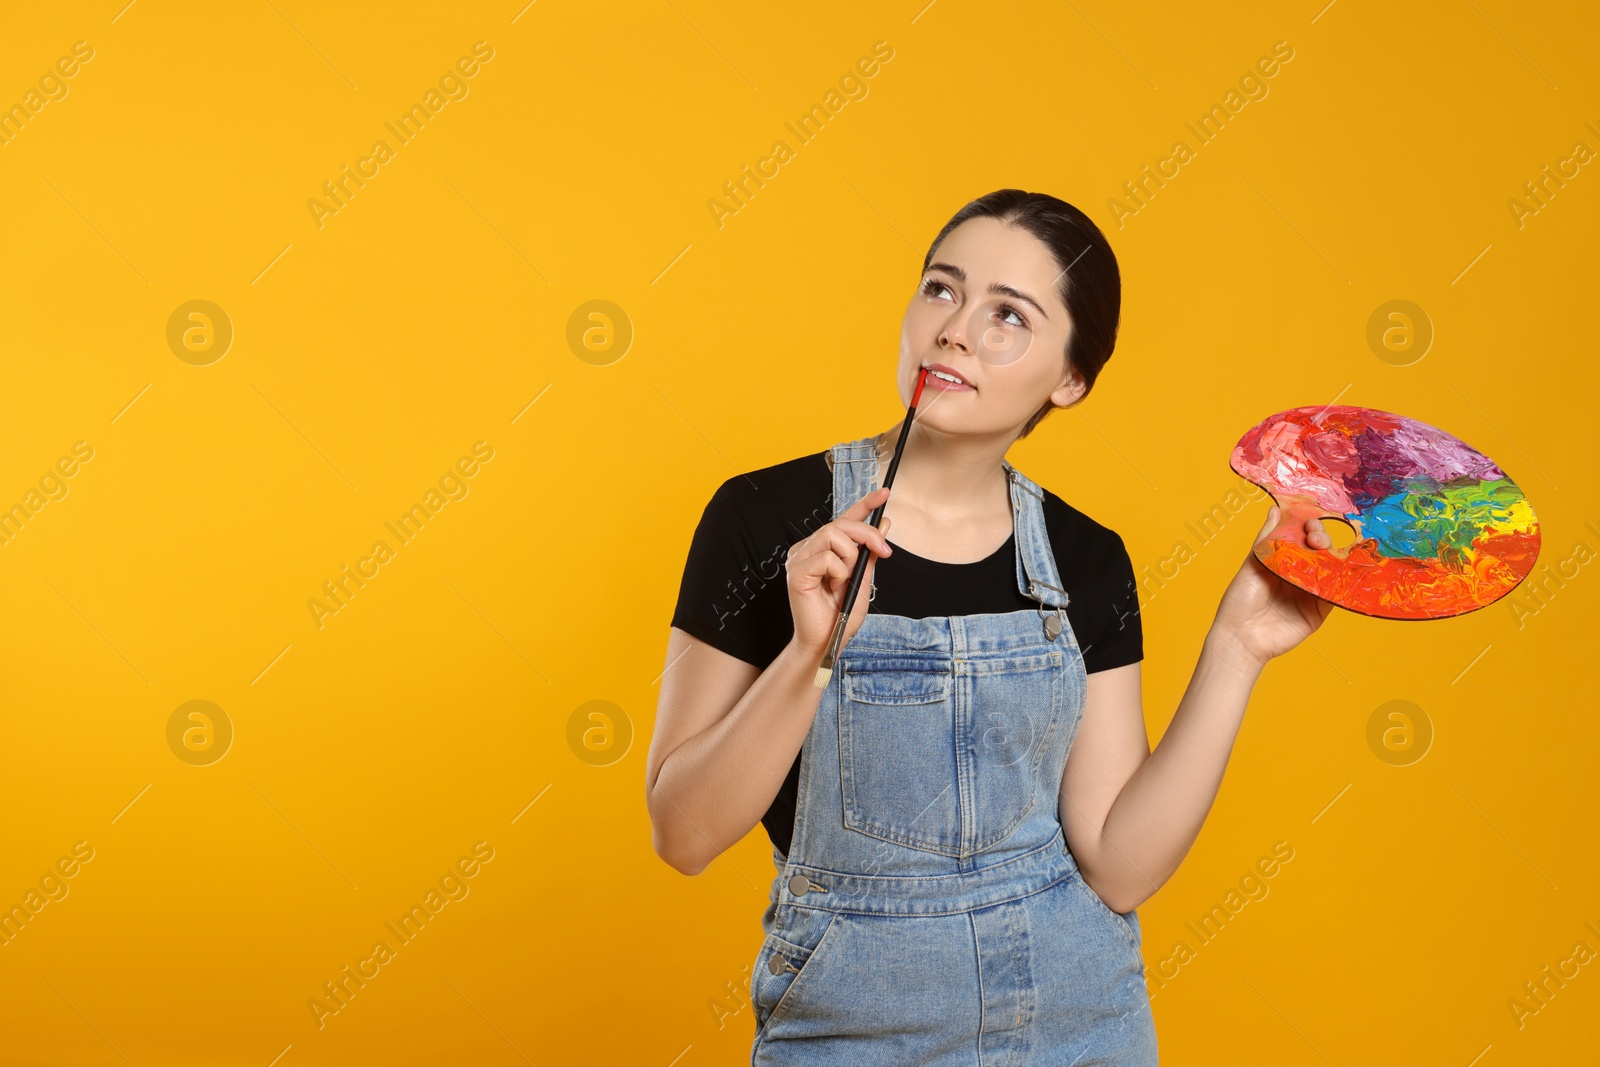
x=1037 y=575
x=855 y=472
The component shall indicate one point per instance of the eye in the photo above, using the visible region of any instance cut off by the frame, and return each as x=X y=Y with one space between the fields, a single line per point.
x=1006 y=309
x=932 y=286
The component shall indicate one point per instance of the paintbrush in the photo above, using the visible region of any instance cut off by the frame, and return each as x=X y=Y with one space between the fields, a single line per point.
x=825 y=671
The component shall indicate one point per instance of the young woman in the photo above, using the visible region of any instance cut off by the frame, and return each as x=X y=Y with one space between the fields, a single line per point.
x=965 y=818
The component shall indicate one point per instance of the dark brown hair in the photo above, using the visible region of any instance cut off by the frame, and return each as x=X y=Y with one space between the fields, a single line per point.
x=1090 y=285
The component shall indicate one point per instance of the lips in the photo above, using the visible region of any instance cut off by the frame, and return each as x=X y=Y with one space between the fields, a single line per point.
x=940 y=375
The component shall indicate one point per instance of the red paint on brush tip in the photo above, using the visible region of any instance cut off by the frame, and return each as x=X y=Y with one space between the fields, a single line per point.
x=918 y=394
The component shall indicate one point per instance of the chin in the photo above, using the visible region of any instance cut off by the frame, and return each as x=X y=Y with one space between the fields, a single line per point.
x=939 y=418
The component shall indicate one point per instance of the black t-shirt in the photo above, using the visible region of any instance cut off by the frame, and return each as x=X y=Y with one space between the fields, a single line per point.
x=734 y=594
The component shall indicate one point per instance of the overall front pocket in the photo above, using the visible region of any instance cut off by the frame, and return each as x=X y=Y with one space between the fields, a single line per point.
x=1126 y=923
x=898 y=754
x=786 y=956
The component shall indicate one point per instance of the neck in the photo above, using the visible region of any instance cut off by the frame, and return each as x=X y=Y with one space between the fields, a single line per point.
x=945 y=476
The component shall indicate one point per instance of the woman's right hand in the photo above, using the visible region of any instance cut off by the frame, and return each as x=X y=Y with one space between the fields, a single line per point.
x=819 y=570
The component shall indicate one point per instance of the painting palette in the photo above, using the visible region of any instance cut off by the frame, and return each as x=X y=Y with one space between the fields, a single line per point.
x=1441 y=530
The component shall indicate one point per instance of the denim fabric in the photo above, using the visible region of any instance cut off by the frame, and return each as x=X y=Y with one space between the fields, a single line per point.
x=929 y=911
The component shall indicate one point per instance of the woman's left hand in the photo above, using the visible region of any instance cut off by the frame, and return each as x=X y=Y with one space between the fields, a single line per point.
x=1261 y=615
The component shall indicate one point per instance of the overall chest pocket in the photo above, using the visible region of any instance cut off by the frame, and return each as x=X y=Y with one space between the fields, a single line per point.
x=1015 y=746
x=946 y=761
x=897 y=754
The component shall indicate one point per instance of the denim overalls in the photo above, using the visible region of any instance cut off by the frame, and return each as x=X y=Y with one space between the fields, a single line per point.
x=928 y=911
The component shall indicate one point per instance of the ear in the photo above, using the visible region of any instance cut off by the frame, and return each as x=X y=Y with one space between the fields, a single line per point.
x=1070 y=391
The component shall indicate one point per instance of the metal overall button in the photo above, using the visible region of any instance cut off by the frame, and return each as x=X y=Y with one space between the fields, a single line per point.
x=799 y=885
x=778 y=964
x=1054 y=617
x=1054 y=621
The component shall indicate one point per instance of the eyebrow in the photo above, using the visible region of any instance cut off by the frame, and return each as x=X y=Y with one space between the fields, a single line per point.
x=994 y=287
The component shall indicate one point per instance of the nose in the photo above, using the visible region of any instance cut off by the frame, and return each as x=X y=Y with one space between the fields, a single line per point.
x=954 y=335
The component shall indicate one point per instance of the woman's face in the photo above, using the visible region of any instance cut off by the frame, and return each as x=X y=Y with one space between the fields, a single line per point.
x=987 y=310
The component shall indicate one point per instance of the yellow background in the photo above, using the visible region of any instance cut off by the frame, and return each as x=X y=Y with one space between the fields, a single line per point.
x=432 y=712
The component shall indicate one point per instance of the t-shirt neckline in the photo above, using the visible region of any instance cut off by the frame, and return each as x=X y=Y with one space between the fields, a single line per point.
x=906 y=553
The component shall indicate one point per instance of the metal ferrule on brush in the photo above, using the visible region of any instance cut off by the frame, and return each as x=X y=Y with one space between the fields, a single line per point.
x=825 y=671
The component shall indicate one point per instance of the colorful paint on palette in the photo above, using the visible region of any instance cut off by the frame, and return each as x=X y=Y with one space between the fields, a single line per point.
x=1440 y=529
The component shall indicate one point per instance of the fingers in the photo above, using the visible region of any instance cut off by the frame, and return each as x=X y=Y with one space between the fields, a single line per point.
x=842 y=537
x=834 y=542
x=830 y=552
x=1316 y=533
x=867 y=534
x=863 y=507
x=1272 y=521
x=819 y=566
